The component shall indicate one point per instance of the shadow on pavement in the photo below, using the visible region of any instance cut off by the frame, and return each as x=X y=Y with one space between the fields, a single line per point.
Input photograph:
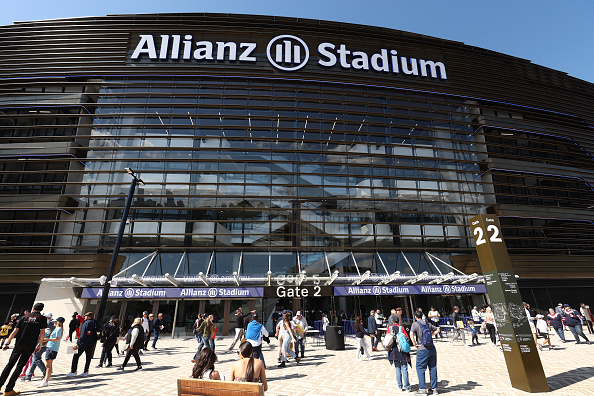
x=289 y=376
x=560 y=381
x=442 y=386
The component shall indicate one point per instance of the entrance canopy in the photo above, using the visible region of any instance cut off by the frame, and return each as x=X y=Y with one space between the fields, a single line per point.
x=252 y=269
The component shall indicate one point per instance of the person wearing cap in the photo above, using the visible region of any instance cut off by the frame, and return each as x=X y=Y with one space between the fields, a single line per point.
x=255 y=332
x=239 y=326
x=301 y=324
x=146 y=327
x=543 y=332
x=573 y=320
x=85 y=344
x=53 y=346
x=29 y=332
x=73 y=326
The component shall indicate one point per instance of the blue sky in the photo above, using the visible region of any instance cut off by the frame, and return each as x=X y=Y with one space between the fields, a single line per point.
x=555 y=34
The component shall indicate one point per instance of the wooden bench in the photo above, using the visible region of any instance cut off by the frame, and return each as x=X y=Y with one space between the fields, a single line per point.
x=191 y=386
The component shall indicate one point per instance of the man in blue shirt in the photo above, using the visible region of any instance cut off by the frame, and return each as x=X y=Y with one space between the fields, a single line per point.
x=372 y=330
x=255 y=332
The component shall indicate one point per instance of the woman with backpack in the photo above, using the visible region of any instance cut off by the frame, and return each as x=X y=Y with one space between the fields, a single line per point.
x=360 y=333
x=399 y=355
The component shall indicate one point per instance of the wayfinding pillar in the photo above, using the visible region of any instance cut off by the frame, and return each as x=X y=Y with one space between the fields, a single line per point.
x=523 y=362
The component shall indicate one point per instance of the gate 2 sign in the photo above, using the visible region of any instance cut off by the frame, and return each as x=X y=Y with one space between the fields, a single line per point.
x=298 y=291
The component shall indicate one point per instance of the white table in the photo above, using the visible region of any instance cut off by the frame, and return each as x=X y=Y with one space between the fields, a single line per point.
x=315 y=334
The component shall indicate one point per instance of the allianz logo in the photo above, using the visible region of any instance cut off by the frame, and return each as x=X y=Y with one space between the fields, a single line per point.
x=284 y=52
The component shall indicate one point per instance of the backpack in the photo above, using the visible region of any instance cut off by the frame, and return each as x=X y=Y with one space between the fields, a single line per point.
x=98 y=331
x=403 y=343
x=104 y=333
x=427 y=338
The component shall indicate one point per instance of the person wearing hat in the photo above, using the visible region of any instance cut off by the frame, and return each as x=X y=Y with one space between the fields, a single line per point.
x=85 y=344
x=255 y=332
x=543 y=332
x=301 y=324
x=573 y=321
x=372 y=329
x=559 y=309
x=53 y=346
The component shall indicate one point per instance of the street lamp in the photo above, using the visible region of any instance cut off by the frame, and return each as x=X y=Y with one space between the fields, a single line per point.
x=116 y=248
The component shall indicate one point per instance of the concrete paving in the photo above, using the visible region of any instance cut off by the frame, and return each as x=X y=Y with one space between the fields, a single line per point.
x=477 y=370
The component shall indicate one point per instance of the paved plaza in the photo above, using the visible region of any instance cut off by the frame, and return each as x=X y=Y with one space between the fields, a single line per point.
x=478 y=370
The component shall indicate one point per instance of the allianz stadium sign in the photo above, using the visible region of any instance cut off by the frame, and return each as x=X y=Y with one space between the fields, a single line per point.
x=284 y=52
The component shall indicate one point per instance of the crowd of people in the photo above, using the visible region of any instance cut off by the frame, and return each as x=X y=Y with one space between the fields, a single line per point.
x=37 y=338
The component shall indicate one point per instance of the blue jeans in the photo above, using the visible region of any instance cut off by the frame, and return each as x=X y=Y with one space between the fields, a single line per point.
x=577 y=331
x=402 y=374
x=37 y=362
x=286 y=349
x=258 y=354
x=299 y=347
x=200 y=345
x=560 y=332
x=208 y=342
x=427 y=358
x=155 y=337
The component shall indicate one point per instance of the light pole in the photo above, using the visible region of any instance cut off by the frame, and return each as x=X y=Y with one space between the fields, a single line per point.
x=116 y=248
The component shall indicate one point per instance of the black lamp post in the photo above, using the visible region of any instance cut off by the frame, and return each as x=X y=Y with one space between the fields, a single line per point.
x=116 y=248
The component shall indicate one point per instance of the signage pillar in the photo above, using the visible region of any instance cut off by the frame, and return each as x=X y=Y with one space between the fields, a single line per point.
x=521 y=357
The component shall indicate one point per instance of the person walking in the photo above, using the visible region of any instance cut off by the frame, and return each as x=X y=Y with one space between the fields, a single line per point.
x=85 y=344
x=151 y=327
x=543 y=332
x=300 y=326
x=531 y=315
x=38 y=357
x=146 y=326
x=422 y=334
x=286 y=333
x=360 y=333
x=29 y=332
x=559 y=309
x=556 y=320
x=247 y=368
x=400 y=358
x=573 y=321
x=198 y=335
x=490 y=322
x=158 y=326
x=112 y=332
x=53 y=346
x=255 y=332
x=240 y=326
x=206 y=328
x=587 y=315
x=434 y=316
x=372 y=330
x=134 y=343
x=73 y=326
x=473 y=332
x=379 y=322
x=458 y=326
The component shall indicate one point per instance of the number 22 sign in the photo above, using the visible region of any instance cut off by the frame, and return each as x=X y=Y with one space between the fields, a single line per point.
x=492 y=229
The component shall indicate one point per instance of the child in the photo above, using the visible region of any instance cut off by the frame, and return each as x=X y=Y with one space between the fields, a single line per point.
x=474 y=332
x=543 y=332
x=4 y=333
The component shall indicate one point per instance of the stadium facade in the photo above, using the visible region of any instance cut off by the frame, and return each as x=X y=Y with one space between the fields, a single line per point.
x=283 y=157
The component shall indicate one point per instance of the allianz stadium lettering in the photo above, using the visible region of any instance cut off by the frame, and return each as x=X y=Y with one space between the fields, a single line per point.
x=284 y=52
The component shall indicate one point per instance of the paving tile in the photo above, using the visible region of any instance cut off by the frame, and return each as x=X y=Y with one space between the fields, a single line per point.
x=479 y=370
